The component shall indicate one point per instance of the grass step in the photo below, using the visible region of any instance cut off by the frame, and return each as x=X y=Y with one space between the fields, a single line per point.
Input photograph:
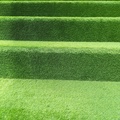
x=60 y=60
x=63 y=8
x=24 y=99
x=60 y=29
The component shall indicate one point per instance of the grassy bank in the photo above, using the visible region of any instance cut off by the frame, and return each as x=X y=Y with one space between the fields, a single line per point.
x=56 y=60
x=60 y=29
x=64 y=9
x=59 y=60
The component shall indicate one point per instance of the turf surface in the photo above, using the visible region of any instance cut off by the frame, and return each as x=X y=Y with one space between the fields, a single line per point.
x=60 y=60
x=101 y=29
x=58 y=9
x=23 y=99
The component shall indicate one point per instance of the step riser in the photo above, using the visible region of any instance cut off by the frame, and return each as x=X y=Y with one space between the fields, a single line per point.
x=67 y=9
x=32 y=64
x=60 y=29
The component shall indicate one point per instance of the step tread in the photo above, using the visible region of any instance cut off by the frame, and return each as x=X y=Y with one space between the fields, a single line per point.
x=63 y=47
x=62 y=1
x=59 y=18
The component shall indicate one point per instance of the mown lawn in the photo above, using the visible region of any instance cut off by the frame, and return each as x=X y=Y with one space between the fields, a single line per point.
x=23 y=99
x=61 y=8
x=71 y=29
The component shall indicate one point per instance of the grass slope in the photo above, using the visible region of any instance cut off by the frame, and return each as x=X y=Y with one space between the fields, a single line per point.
x=24 y=99
x=59 y=60
x=60 y=28
x=69 y=8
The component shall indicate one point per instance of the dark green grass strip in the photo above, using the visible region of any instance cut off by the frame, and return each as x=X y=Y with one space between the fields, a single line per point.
x=23 y=99
x=60 y=28
x=80 y=9
x=51 y=60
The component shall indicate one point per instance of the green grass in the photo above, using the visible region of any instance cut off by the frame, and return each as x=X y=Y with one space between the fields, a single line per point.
x=63 y=8
x=60 y=60
x=101 y=29
x=67 y=64
x=106 y=47
x=23 y=99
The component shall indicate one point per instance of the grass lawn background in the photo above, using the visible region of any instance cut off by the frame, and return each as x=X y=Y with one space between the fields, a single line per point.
x=23 y=99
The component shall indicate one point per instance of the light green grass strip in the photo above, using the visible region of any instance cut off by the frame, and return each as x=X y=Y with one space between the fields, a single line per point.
x=24 y=99
x=84 y=29
x=57 y=60
x=94 y=47
x=61 y=8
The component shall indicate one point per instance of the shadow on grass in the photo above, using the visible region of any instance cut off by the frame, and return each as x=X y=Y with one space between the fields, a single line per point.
x=56 y=29
x=68 y=9
x=14 y=113
x=67 y=66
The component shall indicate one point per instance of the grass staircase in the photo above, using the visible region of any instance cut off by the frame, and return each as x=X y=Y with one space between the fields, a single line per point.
x=59 y=60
